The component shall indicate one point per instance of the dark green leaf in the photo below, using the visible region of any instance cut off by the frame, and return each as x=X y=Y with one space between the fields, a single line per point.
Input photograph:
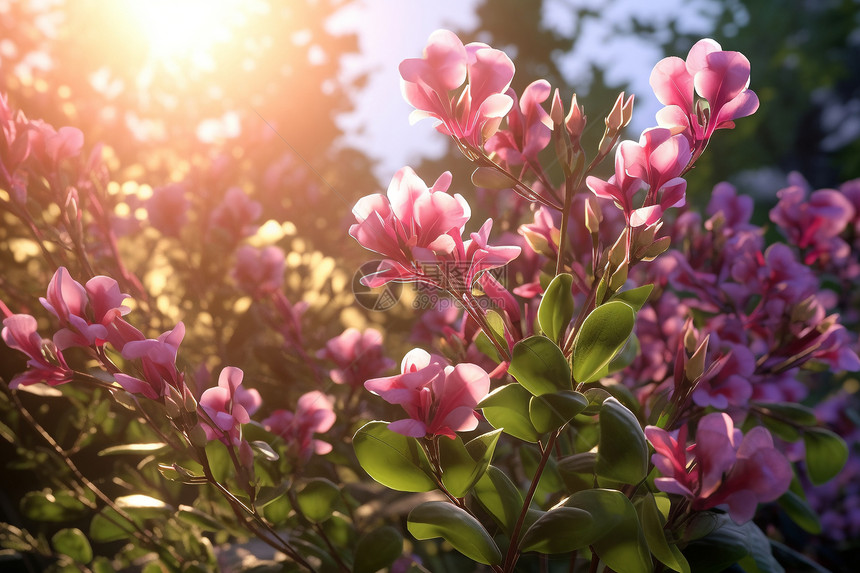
x=74 y=544
x=623 y=451
x=730 y=543
x=394 y=460
x=560 y=530
x=619 y=541
x=500 y=497
x=540 y=366
x=464 y=532
x=635 y=297
x=826 y=454
x=653 y=525
x=47 y=505
x=556 y=307
x=577 y=471
x=626 y=357
x=550 y=480
x=377 y=550
x=549 y=412
x=603 y=333
x=507 y=408
x=800 y=512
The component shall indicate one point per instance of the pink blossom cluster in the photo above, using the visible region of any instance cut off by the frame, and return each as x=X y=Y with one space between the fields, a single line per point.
x=440 y=399
x=723 y=467
x=314 y=414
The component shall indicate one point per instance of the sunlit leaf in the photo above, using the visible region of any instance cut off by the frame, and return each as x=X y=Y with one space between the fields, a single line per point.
x=392 y=459
x=316 y=499
x=556 y=307
x=540 y=366
x=560 y=530
x=653 y=525
x=464 y=532
x=549 y=412
x=48 y=505
x=507 y=408
x=74 y=544
x=635 y=297
x=142 y=449
x=500 y=497
x=463 y=465
x=603 y=333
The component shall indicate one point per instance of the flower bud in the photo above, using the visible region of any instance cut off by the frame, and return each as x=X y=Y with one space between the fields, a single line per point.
x=556 y=112
x=575 y=122
x=197 y=436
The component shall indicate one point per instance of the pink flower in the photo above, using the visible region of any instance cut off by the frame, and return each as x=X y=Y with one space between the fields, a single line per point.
x=419 y=230
x=46 y=364
x=409 y=216
x=719 y=77
x=440 y=400
x=157 y=360
x=658 y=161
x=168 y=209
x=427 y=83
x=84 y=313
x=314 y=414
x=235 y=215
x=529 y=127
x=14 y=150
x=51 y=146
x=723 y=467
x=259 y=272
x=358 y=356
x=228 y=406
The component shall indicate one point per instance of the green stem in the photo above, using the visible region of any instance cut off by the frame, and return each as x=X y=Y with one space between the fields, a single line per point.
x=513 y=548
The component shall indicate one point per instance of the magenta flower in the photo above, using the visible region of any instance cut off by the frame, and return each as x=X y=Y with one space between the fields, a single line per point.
x=314 y=415
x=357 y=355
x=51 y=146
x=620 y=188
x=439 y=399
x=723 y=467
x=228 y=406
x=259 y=272
x=719 y=77
x=14 y=150
x=45 y=365
x=84 y=313
x=427 y=83
x=529 y=128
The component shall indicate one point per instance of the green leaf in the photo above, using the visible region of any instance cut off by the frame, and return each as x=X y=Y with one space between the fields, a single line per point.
x=140 y=449
x=144 y=505
x=198 y=518
x=497 y=328
x=175 y=472
x=635 y=297
x=316 y=499
x=577 y=471
x=507 y=408
x=603 y=333
x=549 y=412
x=556 y=307
x=377 y=550
x=107 y=525
x=463 y=465
x=464 y=532
x=500 y=497
x=797 y=413
x=540 y=366
x=265 y=450
x=799 y=511
x=74 y=544
x=560 y=530
x=394 y=460
x=626 y=356
x=619 y=540
x=56 y=506
x=550 y=480
x=730 y=543
x=622 y=454
x=826 y=454
x=595 y=397
x=653 y=525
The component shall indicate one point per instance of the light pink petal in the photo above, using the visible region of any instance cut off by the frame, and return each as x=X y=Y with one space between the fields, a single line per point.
x=672 y=83
x=671 y=485
x=697 y=58
x=645 y=215
x=230 y=379
x=745 y=104
x=409 y=427
x=136 y=386
x=724 y=77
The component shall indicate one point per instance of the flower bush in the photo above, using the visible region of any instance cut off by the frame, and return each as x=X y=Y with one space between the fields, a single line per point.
x=623 y=382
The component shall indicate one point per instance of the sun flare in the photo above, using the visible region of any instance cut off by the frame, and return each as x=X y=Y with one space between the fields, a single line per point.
x=180 y=29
